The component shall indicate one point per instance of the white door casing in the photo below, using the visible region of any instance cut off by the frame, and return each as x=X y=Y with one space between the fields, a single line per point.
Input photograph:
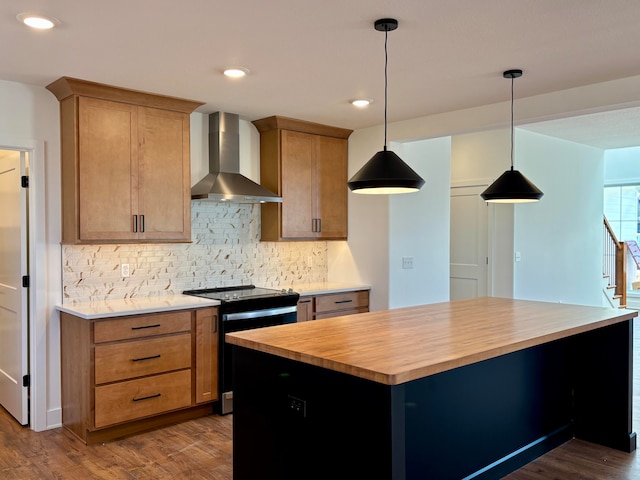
x=13 y=296
x=469 y=253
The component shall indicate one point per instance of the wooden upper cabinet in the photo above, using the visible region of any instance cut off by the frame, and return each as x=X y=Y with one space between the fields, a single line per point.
x=125 y=164
x=164 y=179
x=106 y=169
x=306 y=164
x=298 y=196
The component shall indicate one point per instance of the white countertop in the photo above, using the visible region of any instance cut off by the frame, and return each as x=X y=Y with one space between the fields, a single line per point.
x=307 y=289
x=134 y=306
x=138 y=305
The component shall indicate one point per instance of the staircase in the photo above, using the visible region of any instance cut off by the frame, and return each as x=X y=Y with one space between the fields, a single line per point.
x=609 y=290
x=614 y=267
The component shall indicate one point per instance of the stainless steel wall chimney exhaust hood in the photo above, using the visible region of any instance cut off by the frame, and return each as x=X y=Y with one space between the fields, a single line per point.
x=224 y=183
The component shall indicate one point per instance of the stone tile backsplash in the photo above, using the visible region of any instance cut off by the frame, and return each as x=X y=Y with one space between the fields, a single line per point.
x=226 y=250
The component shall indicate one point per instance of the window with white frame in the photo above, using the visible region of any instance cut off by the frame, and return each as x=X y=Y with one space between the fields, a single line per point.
x=621 y=207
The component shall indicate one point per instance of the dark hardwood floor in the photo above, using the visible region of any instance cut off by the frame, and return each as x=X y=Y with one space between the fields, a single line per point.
x=196 y=449
x=577 y=460
x=202 y=449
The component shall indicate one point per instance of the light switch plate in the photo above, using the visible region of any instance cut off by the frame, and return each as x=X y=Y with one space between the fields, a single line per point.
x=407 y=262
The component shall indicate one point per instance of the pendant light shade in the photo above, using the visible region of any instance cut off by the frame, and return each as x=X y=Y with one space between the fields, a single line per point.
x=385 y=172
x=512 y=186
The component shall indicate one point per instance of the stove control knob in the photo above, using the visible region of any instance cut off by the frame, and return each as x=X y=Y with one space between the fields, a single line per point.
x=283 y=291
x=290 y=291
x=235 y=296
x=226 y=296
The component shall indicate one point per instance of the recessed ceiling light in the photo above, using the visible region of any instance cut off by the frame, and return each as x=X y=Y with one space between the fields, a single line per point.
x=361 y=102
x=39 y=21
x=236 y=72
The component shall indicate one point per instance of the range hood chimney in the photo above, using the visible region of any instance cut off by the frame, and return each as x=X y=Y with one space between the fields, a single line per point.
x=224 y=183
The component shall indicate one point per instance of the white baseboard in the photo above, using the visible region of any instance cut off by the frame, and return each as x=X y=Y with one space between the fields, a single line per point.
x=54 y=418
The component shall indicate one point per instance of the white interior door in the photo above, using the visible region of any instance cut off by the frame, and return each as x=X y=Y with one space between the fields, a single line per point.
x=13 y=296
x=469 y=243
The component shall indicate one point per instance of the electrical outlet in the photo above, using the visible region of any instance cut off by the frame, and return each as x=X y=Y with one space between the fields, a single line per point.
x=407 y=262
x=309 y=262
x=297 y=406
x=124 y=270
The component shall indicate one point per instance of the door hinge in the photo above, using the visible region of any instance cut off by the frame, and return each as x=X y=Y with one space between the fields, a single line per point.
x=24 y=181
x=25 y=281
x=26 y=381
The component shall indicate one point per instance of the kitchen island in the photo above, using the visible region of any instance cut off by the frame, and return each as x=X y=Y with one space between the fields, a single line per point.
x=456 y=390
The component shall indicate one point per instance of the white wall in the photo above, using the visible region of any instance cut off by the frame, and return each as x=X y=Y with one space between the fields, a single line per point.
x=384 y=228
x=478 y=159
x=365 y=257
x=28 y=117
x=419 y=227
x=560 y=237
x=622 y=166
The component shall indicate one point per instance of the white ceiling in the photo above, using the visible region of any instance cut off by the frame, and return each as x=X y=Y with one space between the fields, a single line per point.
x=309 y=58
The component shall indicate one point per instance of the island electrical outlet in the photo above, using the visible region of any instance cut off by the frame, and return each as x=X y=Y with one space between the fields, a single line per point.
x=297 y=406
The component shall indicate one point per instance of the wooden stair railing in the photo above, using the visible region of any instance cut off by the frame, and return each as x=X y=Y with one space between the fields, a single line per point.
x=614 y=264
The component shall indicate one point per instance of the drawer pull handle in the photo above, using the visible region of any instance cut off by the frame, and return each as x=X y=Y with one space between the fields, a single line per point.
x=146 y=326
x=147 y=398
x=305 y=301
x=344 y=301
x=145 y=358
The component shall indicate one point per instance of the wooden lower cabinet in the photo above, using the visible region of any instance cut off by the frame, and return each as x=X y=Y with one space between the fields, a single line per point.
x=128 y=374
x=305 y=309
x=133 y=399
x=332 y=305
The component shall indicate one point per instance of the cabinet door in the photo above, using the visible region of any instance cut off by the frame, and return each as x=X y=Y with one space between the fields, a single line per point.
x=331 y=188
x=206 y=355
x=164 y=175
x=305 y=309
x=107 y=169
x=298 y=150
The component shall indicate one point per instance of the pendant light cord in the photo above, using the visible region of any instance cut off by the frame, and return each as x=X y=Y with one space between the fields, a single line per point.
x=512 y=123
x=386 y=35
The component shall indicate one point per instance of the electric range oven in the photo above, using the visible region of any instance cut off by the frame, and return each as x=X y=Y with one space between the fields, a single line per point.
x=243 y=308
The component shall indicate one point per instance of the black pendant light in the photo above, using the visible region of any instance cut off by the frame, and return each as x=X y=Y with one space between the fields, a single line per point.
x=512 y=186
x=385 y=173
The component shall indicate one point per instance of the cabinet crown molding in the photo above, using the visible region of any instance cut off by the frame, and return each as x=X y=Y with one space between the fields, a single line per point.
x=285 y=123
x=65 y=87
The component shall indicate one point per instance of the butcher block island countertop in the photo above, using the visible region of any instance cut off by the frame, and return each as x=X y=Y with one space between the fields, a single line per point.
x=458 y=390
x=396 y=346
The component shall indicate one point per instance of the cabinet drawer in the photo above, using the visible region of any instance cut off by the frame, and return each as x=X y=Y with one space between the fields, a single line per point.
x=339 y=313
x=141 y=326
x=123 y=401
x=120 y=361
x=341 y=301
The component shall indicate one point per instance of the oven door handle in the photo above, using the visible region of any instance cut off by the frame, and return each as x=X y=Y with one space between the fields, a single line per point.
x=269 y=312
